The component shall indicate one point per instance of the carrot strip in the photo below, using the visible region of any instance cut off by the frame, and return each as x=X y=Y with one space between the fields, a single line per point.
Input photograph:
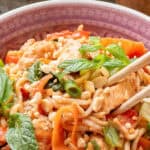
x=132 y=48
x=41 y=84
x=58 y=131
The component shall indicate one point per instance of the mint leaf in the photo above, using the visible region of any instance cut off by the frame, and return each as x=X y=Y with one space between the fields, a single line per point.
x=114 y=63
x=20 y=135
x=89 y=48
x=111 y=136
x=76 y=65
x=6 y=89
x=118 y=53
x=34 y=72
x=92 y=46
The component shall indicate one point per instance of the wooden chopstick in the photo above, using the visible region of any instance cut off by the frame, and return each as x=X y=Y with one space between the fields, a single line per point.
x=145 y=92
x=139 y=63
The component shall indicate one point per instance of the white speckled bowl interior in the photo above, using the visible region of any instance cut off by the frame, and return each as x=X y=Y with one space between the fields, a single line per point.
x=101 y=18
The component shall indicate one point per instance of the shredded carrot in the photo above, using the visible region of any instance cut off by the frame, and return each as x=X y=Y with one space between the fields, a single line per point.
x=132 y=48
x=41 y=84
x=58 y=131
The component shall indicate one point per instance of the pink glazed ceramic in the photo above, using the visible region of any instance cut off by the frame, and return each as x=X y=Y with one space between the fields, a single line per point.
x=104 y=19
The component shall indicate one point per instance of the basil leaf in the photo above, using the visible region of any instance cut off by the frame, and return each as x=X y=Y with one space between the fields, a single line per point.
x=118 y=53
x=111 y=136
x=95 y=145
x=34 y=72
x=6 y=89
x=20 y=135
x=89 y=48
x=76 y=65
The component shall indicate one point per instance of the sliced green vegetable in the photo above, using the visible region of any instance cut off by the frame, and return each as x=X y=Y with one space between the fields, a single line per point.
x=111 y=136
x=95 y=145
x=72 y=89
x=77 y=65
x=34 y=72
x=118 y=53
x=145 y=111
x=20 y=135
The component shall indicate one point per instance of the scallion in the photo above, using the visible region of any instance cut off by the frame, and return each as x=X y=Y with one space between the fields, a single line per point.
x=72 y=89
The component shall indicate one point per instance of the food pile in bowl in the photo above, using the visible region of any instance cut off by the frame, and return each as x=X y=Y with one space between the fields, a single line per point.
x=54 y=94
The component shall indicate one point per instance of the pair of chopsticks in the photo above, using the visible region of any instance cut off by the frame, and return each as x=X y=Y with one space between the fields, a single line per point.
x=145 y=92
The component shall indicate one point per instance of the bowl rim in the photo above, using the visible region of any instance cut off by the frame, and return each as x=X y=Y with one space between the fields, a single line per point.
x=37 y=5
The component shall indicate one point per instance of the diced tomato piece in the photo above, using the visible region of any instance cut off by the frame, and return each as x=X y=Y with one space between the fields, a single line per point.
x=25 y=93
x=145 y=143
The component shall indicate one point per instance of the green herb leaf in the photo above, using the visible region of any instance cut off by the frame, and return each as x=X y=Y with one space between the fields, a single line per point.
x=72 y=89
x=6 y=89
x=34 y=72
x=118 y=53
x=89 y=48
x=20 y=135
x=111 y=136
x=95 y=145
x=76 y=65
x=114 y=63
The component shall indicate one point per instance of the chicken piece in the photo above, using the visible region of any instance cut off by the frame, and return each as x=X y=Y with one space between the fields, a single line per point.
x=117 y=94
x=33 y=50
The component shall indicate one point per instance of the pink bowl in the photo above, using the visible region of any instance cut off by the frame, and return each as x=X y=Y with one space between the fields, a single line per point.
x=104 y=19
